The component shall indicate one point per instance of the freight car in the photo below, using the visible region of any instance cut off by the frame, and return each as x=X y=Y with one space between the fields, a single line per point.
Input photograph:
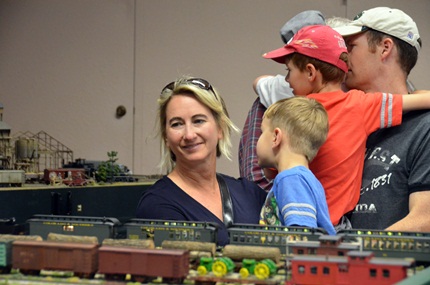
x=30 y=257
x=12 y=178
x=5 y=255
x=144 y=264
x=85 y=260
x=66 y=176
x=223 y=265
x=358 y=267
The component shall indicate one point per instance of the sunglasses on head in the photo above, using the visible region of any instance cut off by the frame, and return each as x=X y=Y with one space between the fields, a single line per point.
x=199 y=82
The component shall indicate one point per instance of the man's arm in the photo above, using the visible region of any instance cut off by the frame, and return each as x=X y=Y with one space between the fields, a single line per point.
x=418 y=219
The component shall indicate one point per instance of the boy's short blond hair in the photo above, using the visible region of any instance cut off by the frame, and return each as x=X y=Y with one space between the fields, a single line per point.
x=305 y=122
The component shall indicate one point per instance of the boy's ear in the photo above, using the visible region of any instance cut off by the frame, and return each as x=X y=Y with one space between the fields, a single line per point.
x=311 y=71
x=277 y=137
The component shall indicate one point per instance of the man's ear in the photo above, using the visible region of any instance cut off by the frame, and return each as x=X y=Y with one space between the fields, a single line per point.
x=386 y=46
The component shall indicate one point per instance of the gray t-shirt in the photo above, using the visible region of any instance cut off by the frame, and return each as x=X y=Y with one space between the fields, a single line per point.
x=397 y=163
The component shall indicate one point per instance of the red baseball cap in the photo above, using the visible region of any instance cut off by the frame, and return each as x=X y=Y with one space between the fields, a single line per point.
x=319 y=42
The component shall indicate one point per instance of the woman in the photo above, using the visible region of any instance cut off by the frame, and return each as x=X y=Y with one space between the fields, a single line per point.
x=195 y=129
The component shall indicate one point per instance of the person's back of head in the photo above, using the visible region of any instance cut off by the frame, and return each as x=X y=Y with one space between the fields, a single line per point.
x=381 y=22
x=302 y=19
x=320 y=45
x=304 y=120
x=337 y=21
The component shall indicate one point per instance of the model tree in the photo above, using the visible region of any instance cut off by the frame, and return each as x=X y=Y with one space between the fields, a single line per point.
x=107 y=170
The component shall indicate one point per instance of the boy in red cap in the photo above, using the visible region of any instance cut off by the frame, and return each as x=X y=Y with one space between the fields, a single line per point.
x=316 y=60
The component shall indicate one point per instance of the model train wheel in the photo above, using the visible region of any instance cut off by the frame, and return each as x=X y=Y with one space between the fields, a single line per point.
x=141 y=278
x=33 y=272
x=5 y=269
x=173 y=280
x=85 y=275
x=115 y=277
x=262 y=271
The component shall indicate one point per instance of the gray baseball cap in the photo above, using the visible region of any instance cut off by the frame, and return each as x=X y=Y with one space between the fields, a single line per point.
x=305 y=18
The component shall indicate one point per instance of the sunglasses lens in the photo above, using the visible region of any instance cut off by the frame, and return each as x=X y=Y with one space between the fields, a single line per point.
x=203 y=84
x=199 y=82
x=169 y=86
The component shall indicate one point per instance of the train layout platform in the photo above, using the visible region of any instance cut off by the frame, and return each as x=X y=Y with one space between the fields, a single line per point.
x=110 y=200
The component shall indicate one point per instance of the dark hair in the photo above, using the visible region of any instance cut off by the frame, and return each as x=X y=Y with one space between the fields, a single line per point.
x=408 y=55
x=330 y=73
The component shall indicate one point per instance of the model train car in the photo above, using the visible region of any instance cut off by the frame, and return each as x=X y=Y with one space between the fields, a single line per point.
x=12 y=178
x=144 y=264
x=66 y=176
x=30 y=257
x=161 y=230
x=85 y=260
x=273 y=236
x=392 y=244
x=358 y=267
x=326 y=245
x=100 y=227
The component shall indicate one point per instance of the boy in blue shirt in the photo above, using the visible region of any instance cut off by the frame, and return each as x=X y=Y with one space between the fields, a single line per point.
x=293 y=130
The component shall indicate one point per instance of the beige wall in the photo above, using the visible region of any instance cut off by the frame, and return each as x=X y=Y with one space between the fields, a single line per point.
x=65 y=65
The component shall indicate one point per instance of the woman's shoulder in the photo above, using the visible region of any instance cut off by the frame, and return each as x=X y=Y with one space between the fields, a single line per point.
x=163 y=183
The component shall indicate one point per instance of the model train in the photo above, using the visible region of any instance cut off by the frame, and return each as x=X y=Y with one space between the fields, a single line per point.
x=330 y=263
x=382 y=243
x=294 y=244
x=85 y=260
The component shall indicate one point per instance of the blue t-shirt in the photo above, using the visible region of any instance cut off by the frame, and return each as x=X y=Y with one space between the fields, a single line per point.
x=297 y=198
x=166 y=201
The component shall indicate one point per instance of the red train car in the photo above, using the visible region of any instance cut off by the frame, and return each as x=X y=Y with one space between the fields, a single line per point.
x=32 y=256
x=326 y=245
x=67 y=176
x=144 y=264
x=358 y=267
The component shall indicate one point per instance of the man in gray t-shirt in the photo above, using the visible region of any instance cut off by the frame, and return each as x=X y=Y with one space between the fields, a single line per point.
x=383 y=46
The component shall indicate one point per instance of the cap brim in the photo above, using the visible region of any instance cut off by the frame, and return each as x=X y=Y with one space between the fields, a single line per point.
x=279 y=54
x=348 y=30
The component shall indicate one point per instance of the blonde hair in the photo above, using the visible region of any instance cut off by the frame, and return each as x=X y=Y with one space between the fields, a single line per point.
x=209 y=98
x=305 y=121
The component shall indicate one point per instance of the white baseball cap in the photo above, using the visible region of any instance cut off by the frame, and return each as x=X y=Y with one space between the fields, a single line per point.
x=393 y=22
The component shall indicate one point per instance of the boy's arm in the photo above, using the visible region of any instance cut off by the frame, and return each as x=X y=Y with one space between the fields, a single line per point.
x=271 y=89
x=420 y=99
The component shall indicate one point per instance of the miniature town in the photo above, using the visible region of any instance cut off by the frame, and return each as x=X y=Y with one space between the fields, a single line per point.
x=32 y=159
